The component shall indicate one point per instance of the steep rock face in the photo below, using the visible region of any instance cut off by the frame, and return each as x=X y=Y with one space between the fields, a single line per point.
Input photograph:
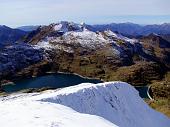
x=16 y=57
x=110 y=104
x=52 y=30
x=158 y=47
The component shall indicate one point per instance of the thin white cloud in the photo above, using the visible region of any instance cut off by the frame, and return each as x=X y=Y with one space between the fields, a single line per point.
x=44 y=11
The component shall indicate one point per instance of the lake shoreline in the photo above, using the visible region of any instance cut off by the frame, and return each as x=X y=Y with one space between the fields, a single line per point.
x=67 y=73
x=80 y=75
x=51 y=79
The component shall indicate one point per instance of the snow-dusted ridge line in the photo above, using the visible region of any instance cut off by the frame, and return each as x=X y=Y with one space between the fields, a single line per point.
x=73 y=33
x=111 y=104
x=90 y=86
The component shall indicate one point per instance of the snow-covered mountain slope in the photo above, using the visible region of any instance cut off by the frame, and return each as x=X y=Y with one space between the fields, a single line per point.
x=56 y=35
x=77 y=38
x=109 y=104
x=85 y=38
x=65 y=26
x=42 y=114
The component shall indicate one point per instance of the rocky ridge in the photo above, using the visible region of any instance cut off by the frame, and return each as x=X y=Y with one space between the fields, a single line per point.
x=97 y=54
x=74 y=48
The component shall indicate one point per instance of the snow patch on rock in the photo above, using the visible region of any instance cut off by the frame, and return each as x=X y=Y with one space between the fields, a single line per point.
x=109 y=33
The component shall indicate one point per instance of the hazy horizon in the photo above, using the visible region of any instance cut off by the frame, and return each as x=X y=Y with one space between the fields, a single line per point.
x=41 y=12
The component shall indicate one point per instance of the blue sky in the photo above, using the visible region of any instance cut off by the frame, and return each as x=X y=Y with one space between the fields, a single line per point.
x=32 y=12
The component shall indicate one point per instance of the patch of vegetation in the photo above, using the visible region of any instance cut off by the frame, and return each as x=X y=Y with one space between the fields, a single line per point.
x=161 y=89
x=141 y=73
x=161 y=105
x=161 y=94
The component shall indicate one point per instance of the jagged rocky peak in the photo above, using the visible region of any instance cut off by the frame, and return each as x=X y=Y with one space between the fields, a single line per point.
x=65 y=26
x=53 y=30
x=69 y=36
x=9 y=35
x=65 y=29
x=4 y=27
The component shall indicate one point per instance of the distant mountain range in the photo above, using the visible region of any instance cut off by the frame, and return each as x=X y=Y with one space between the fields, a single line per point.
x=131 y=29
x=9 y=35
x=128 y=29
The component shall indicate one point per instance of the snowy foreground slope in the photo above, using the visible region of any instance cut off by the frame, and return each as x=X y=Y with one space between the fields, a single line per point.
x=112 y=104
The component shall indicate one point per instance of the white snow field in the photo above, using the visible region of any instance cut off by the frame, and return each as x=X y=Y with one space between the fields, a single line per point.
x=111 y=104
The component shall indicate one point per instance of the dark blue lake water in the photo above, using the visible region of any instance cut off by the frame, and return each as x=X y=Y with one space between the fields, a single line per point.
x=57 y=81
x=142 y=91
x=51 y=80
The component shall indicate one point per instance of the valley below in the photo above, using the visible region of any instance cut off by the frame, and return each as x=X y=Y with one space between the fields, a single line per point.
x=57 y=81
x=84 y=55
